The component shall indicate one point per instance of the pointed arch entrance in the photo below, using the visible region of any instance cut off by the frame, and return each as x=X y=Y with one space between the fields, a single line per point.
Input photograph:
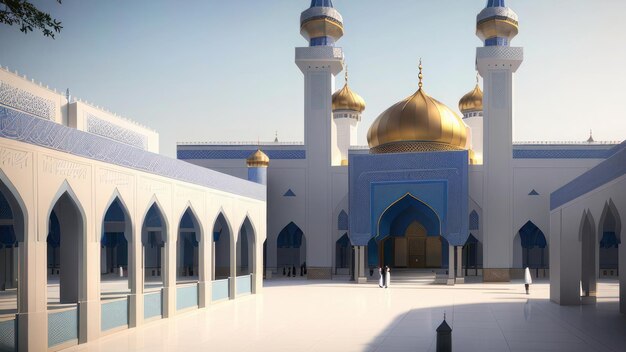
x=531 y=247
x=153 y=238
x=409 y=235
x=66 y=238
x=13 y=222
x=187 y=248
x=291 y=248
x=609 y=234
x=116 y=235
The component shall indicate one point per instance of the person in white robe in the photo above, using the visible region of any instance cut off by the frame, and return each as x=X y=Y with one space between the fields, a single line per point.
x=387 y=276
x=527 y=280
x=380 y=277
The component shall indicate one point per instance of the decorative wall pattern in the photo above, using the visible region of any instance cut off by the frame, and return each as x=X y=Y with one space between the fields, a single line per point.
x=26 y=101
x=114 y=314
x=25 y=128
x=244 y=284
x=562 y=153
x=211 y=154
x=152 y=305
x=62 y=327
x=107 y=129
x=219 y=290
x=7 y=335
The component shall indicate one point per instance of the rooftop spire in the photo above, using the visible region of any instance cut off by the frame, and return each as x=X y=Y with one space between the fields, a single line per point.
x=420 y=76
x=346 y=74
x=495 y=3
x=322 y=3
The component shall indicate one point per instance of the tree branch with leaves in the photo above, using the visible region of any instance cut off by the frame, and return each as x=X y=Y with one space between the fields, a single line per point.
x=25 y=15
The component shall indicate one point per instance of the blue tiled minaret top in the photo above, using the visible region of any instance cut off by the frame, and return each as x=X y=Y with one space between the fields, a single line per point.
x=496 y=24
x=322 y=3
x=321 y=24
x=490 y=3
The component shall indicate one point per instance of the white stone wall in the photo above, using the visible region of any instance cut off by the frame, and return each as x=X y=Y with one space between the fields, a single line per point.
x=566 y=246
x=39 y=176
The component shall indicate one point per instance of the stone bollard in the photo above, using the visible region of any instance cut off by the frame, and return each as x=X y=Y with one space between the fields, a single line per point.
x=444 y=337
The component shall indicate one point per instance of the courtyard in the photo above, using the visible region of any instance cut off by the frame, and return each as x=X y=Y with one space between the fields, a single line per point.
x=293 y=314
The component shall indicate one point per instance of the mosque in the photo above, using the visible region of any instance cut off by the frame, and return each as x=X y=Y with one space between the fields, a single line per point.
x=434 y=189
x=99 y=233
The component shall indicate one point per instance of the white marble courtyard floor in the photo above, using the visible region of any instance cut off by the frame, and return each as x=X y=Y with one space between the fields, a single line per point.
x=298 y=315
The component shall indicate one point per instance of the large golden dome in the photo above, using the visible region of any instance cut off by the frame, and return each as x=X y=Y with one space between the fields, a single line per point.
x=416 y=124
x=346 y=99
x=258 y=159
x=472 y=101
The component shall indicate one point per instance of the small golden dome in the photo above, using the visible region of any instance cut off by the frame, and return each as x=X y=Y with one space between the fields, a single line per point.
x=258 y=159
x=416 y=124
x=346 y=99
x=472 y=101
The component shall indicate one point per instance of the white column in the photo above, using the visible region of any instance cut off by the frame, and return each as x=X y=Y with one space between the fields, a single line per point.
x=89 y=309
x=136 y=277
x=362 y=276
x=460 y=279
x=450 y=264
x=497 y=65
x=169 y=274
x=319 y=65
x=205 y=268
x=32 y=314
x=232 y=283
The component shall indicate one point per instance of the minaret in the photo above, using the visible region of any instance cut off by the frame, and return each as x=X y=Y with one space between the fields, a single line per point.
x=321 y=25
x=347 y=109
x=471 y=106
x=496 y=62
x=257 y=167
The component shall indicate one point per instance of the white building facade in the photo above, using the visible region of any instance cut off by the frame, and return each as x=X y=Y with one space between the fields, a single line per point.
x=509 y=184
x=99 y=233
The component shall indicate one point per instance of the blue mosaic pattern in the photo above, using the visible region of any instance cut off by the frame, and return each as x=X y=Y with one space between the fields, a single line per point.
x=209 y=154
x=186 y=297
x=27 y=102
x=28 y=129
x=605 y=172
x=62 y=327
x=114 y=314
x=561 y=153
x=152 y=305
x=7 y=335
x=219 y=290
x=107 y=129
x=367 y=169
x=244 y=284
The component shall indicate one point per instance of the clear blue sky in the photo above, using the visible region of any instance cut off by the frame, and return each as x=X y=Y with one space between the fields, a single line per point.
x=223 y=70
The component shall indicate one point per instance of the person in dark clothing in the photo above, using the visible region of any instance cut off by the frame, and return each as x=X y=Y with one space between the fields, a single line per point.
x=284 y=271
x=293 y=270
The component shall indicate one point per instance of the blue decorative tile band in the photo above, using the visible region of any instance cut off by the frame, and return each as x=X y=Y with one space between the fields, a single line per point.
x=208 y=154
x=25 y=128
x=561 y=153
x=114 y=314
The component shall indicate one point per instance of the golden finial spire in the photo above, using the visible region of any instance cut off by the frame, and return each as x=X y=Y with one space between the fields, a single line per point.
x=346 y=74
x=420 y=75
x=477 y=78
